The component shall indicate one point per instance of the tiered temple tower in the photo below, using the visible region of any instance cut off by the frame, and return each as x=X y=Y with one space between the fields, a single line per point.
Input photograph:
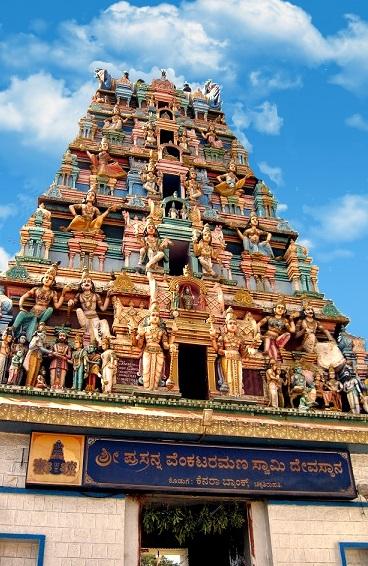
x=157 y=296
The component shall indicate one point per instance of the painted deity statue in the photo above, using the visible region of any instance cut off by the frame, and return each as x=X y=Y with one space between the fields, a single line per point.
x=88 y=301
x=332 y=391
x=252 y=238
x=211 y=137
x=153 y=247
x=204 y=250
x=92 y=368
x=228 y=183
x=149 y=134
x=229 y=346
x=192 y=188
x=16 y=364
x=103 y=164
x=250 y=332
x=352 y=388
x=33 y=360
x=109 y=365
x=150 y=179
x=152 y=337
x=78 y=356
x=16 y=369
x=187 y=298
x=328 y=353
x=307 y=328
x=278 y=331
x=274 y=384
x=5 y=353
x=60 y=357
x=90 y=219
x=43 y=297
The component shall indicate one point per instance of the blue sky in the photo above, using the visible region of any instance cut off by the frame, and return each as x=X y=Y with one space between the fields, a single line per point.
x=295 y=86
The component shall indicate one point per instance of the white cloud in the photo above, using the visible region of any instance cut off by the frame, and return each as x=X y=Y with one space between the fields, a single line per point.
x=282 y=207
x=263 y=118
x=274 y=173
x=357 y=121
x=4 y=259
x=265 y=82
x=7 y=210
x=349 y=49
x=306 y=243
x=43 y=110
x=342 y=220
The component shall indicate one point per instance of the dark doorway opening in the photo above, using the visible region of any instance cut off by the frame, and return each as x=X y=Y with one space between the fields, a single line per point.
x=229 y=547
x=166 y=136
x=178 y=257
x=193 y=382
x=170 y=185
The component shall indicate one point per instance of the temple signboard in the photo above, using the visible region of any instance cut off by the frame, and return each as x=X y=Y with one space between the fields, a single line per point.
x=190 y=468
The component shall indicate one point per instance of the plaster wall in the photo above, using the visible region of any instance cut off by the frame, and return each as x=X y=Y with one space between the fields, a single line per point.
x=310 y=534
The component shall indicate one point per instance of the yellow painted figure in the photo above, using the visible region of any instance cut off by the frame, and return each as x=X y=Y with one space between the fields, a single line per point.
x=229 y=345
x=90 y=218
x=229 y=183
x=153 y=338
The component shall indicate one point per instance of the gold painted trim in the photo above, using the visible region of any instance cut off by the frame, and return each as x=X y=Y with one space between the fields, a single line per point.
x=181 y=422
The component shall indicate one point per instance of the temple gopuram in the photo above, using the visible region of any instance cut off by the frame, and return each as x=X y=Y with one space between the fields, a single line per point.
x=175 y=387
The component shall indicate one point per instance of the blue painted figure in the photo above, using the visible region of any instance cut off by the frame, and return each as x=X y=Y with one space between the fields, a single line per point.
x=43 y=296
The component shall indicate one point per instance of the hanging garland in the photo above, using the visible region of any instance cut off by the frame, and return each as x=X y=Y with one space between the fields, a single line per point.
x=185 y=522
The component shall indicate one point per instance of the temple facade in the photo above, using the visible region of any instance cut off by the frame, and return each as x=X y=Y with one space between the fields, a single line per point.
x=175 y=387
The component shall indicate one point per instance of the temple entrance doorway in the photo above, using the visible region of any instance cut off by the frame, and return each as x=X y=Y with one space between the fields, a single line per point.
x=193 y=382
x=193 y=534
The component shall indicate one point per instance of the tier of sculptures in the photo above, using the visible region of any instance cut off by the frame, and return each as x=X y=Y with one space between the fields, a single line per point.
x=27 y=357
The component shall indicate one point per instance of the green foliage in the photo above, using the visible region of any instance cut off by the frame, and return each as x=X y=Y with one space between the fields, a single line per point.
x=184 y=522
x=150 y=560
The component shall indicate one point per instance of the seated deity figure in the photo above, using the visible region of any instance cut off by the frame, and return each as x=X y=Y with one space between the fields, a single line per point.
x=150 y=134
x=153 y=248
x=43 y=296
x=250 y=332
x=90 y=218
x=230 y=347
x=192 y=187
x=150 y=179
x=153 y=339
x=103 y=164
x=88 y=301
x=278 y=330
x=204 y=251
x=252 y=238
x=187 y=298
x=228 y=183
x=211 y=137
